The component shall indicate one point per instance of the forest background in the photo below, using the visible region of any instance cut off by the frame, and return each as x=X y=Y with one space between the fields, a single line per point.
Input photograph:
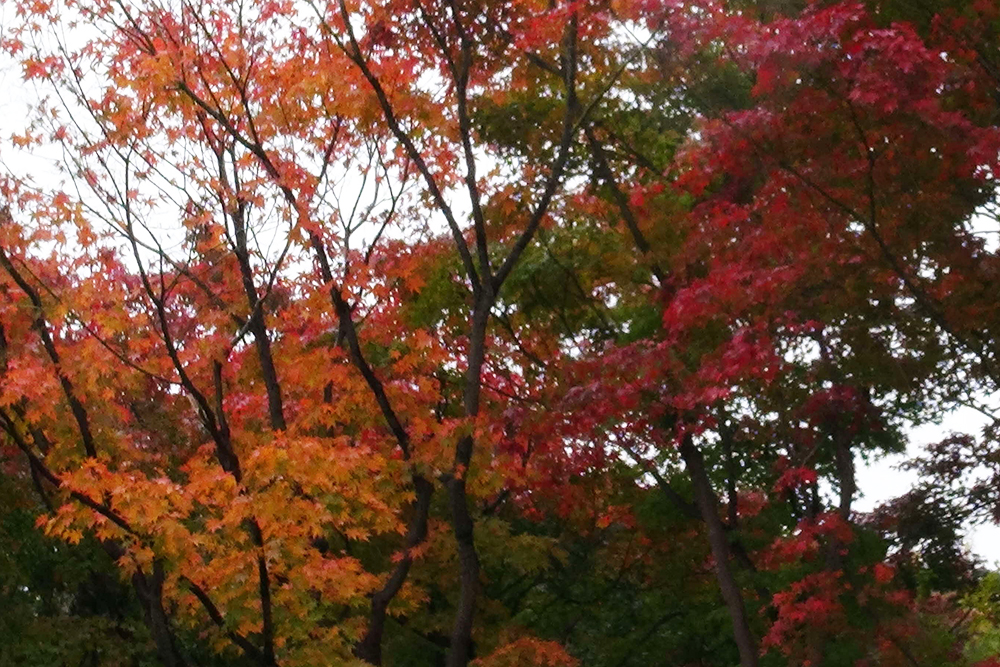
x=419 y=333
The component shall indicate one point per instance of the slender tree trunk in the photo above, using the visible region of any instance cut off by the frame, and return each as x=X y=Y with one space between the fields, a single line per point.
x=468 y=560
x=844 y=458
x=369 y=648
x=845 y=471
x=462 y=522
x=708 y=506
x=150 y=592
x=258 y=323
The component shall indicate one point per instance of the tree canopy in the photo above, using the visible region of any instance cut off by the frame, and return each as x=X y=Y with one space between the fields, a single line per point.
x=458 y=332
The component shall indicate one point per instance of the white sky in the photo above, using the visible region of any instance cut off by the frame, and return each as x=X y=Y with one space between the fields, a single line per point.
x=882 y=480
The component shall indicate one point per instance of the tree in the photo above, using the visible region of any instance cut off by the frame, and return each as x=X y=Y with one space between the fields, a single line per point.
x=416 y=332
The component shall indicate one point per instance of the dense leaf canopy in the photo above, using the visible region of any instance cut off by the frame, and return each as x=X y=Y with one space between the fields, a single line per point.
x=450 y=332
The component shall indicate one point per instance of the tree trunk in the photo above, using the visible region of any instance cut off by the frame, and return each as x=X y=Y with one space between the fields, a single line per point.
x=708 y=506
x=150 y=592
x=369 y=648
x=462 y=523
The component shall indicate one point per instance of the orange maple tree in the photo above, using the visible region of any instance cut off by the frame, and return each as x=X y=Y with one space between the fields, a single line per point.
x=249 y=229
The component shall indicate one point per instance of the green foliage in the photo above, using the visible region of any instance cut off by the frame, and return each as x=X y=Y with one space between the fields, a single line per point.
x=62 y=604
x=983 y=609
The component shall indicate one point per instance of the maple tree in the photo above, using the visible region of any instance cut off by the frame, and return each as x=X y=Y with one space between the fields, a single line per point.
x=447 y=332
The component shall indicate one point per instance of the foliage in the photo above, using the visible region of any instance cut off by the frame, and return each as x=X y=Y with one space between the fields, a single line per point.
x=446 y=332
